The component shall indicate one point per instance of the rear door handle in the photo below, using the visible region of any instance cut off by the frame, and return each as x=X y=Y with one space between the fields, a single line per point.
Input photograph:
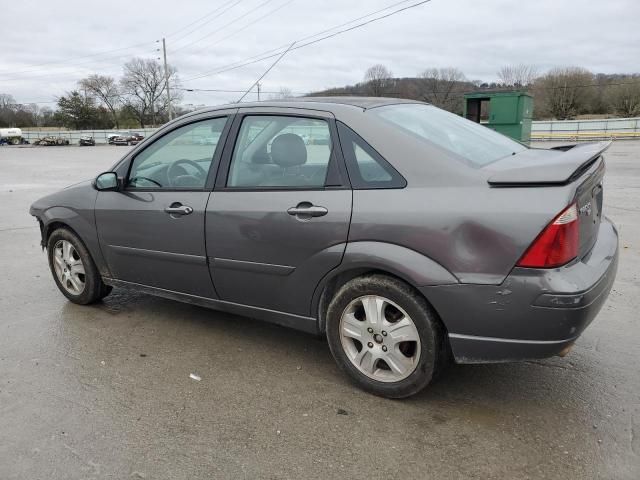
x=307 y=210
x=178 y=209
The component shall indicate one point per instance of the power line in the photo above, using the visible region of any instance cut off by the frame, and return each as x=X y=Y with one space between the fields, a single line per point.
x=217 y=90
x=393 y=5
x=233 y=66
x=276 y=50
x=73 y=66
x=55 y=62
x=342 y=94
x=138 y=45
x=224 y=26
x=265 y=73
x=212 y=12
x=253 y=22
x=224 y=10
x=357 y=94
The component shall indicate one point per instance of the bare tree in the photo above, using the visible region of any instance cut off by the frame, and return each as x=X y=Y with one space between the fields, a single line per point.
x=6 y=101
x=106 y=90
x=520 y=75
x=283 y=94
x=378 y=79
x=565 y=92
x=143 y=83
x=624 y=96
x=443 y=88
x=45 y=117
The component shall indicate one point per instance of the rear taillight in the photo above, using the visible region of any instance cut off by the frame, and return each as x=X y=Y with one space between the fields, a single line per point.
x=557 y=244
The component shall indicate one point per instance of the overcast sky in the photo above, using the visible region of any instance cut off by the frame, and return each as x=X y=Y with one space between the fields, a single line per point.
x=475 y=36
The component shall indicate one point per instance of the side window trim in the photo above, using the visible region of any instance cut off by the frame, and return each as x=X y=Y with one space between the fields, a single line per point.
x=337 y=177
x=215 y=159
x=348 y=137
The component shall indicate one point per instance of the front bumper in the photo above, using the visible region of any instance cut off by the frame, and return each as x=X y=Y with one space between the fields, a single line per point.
x=534 y=313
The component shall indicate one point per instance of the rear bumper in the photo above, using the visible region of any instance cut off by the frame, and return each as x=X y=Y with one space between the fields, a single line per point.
x=534 y=313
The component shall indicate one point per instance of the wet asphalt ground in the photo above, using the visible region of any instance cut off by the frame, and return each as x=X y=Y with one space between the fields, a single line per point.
x=105 y=391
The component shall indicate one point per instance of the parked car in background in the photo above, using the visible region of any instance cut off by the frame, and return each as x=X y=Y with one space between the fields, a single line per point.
x=117 y=139
x=135 y=138
x=412 y=236
x=86 y=141
x=318 y=140
x=51 y=140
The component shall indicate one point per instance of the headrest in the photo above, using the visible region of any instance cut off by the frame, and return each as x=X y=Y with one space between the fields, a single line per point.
x=288 y=150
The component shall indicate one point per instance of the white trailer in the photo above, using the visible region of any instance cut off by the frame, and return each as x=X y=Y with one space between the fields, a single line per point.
x=12 y=136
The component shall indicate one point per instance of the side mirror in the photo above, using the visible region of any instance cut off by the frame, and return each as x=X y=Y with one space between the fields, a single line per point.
x=107 y=181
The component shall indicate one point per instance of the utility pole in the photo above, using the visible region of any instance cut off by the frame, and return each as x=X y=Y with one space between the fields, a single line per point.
x=166 y=78
x=259 y=86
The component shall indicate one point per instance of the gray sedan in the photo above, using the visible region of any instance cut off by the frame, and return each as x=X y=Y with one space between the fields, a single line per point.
x=405 y=234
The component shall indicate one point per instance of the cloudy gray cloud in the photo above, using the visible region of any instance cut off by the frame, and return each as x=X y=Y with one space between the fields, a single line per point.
x=476 y=36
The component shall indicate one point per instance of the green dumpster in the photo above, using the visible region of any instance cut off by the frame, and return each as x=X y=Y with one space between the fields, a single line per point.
x=509 y=113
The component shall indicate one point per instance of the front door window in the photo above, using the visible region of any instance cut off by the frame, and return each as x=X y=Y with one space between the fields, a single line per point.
x=180 y=159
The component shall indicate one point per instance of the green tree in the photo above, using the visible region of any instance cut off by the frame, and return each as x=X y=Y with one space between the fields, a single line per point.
x=79 y=112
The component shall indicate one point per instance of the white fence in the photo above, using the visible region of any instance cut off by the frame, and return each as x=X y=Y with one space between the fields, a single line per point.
x=73 y=136
x=576 y=130
x=571 y=130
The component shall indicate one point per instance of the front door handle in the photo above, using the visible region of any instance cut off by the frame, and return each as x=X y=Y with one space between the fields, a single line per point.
x=307 y=210
x=178 y=209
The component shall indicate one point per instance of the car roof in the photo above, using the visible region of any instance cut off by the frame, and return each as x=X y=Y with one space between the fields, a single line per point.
x=331 y=104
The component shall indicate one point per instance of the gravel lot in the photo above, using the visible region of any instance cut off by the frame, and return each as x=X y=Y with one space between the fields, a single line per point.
x=105 y=391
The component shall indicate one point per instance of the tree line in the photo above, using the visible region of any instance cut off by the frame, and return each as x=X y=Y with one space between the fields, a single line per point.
x=560 y=93
x=138 y=98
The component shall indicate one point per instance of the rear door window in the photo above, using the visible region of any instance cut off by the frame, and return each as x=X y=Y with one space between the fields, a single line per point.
x=277 y=151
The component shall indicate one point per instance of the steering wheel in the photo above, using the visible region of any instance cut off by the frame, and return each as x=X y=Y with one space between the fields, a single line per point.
x=146 y=179
x=172 y=173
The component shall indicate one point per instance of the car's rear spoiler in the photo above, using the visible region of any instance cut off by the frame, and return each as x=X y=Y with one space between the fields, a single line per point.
x=548 y=169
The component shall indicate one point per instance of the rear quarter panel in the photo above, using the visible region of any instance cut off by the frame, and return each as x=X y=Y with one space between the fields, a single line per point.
x=475 y=232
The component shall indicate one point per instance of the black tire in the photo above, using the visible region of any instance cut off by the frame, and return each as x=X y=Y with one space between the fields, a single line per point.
x=424 y=318
x=94 y=287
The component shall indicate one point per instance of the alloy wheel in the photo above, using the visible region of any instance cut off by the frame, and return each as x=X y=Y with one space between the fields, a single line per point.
x=379 y=338
x=69 y=267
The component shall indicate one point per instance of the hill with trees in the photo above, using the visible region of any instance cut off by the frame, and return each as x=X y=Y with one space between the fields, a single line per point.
x=560 y=93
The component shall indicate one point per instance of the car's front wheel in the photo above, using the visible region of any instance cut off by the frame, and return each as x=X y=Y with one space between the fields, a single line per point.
x=73 y=269
x=384 y=336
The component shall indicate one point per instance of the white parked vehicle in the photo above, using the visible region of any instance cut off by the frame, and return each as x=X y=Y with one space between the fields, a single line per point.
x=12 y=136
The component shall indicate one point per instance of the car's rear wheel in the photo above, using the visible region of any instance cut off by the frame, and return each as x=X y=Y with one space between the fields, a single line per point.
x=384 y=336
x=73 y=269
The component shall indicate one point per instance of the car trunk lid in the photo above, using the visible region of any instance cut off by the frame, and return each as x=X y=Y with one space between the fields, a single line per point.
x=541 y=167
x=579 y=164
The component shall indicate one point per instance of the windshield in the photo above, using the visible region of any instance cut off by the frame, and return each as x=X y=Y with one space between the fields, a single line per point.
x=477 y=144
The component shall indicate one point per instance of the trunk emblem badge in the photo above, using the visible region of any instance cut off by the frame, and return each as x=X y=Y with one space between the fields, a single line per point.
x=586 y=209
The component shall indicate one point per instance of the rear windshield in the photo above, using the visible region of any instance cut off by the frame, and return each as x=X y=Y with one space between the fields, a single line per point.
x=475 y=143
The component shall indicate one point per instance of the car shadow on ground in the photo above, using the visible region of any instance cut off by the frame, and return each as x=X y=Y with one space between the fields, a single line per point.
x=195 y=329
